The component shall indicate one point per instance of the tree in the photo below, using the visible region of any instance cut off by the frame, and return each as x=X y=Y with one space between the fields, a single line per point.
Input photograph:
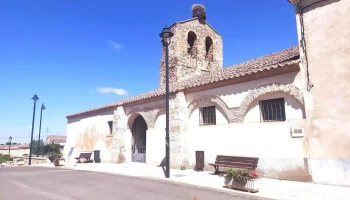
x=7 y=143
x=35 y=147
x=53 y=151
x=51 y=148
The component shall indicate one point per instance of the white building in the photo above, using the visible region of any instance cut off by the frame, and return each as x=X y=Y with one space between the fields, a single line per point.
x=248 y=109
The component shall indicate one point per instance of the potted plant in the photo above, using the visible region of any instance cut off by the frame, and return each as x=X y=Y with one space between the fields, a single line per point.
x=228 y=177
x=247 y=180
x=253 y=182
x=239 y=178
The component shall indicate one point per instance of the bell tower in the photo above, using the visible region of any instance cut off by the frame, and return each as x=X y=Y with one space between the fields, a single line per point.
x=195 y=48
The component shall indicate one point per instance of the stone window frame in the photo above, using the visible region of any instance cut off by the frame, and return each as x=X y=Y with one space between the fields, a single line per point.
x=210 y=113
x=273 y=110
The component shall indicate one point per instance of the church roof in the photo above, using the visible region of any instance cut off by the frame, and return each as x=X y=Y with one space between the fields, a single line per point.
x=282 y=59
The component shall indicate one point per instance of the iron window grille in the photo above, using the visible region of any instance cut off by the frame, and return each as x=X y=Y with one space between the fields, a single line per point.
x=273 y=110
x=208 y=116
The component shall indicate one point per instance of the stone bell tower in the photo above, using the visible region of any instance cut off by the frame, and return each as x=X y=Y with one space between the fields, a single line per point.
x=195 y=49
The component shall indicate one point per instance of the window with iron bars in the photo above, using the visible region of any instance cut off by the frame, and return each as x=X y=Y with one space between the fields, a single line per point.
x=273 y=110
x=208 y=116
x=110 y=124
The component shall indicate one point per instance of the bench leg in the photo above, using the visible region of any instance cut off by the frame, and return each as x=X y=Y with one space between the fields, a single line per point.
x=217 y=170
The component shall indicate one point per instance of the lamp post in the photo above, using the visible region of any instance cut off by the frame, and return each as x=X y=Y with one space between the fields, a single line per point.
x=10 y=140
x=166 y=34
x=35 y=98
x=41 y=115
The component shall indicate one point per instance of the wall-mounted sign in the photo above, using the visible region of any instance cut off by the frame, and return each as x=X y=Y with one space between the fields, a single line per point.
x=71 y=151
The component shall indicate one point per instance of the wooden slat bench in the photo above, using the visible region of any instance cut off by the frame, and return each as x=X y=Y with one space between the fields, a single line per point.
x=84 y=155
x=237 y=162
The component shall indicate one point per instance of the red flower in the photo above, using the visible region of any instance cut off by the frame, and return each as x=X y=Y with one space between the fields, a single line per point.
x=253 y=175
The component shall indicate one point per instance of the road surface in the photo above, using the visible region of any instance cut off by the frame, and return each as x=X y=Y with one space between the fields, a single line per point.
x=35 y=183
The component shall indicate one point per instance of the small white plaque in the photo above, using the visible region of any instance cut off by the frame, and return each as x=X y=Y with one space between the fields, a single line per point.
x=297 y=132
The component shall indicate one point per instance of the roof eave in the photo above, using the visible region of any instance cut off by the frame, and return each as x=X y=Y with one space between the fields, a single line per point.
x=292 y=67
x=287 y=67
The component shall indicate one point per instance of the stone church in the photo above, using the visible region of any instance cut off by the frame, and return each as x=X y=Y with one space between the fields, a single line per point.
x=265 y=107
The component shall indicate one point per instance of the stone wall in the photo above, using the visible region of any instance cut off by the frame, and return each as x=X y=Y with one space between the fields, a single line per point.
x=120 y=150
x=20 y=161
x=178 y=130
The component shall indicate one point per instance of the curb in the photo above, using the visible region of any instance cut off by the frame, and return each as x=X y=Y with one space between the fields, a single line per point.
x=169 y=181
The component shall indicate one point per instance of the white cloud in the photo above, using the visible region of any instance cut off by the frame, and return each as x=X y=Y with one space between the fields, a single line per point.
x=110 y=90
x=114 y=45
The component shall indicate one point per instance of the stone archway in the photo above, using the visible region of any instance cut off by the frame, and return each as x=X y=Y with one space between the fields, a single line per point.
x=254 y=94
x=227 y=112
x=138 y=140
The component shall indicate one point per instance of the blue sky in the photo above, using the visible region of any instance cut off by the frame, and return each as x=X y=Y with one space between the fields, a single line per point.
x=71 y=53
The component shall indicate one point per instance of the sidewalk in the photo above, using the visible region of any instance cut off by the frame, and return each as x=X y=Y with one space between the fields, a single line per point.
x=270 y=188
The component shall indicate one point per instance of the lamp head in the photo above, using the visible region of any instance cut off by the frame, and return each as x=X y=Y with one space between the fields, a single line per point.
x=35 y=98
x=166 y=34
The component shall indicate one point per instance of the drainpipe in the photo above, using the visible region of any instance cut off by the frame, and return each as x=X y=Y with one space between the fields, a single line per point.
x=308 y=157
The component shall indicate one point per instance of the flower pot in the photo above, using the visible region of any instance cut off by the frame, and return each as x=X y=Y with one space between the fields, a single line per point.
x=252 y=185
x=227 y=180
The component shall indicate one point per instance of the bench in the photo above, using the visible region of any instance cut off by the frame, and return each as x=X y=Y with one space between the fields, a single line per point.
x=84 y=155
x=237 y=162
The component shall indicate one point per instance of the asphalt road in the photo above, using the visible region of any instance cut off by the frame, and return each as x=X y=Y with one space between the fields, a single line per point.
x=34 y=183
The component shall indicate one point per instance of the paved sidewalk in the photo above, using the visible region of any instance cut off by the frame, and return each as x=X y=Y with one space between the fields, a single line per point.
x=270 y=188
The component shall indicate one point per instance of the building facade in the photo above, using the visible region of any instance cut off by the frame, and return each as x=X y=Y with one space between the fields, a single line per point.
x=56 y=139
x=324 y=43
x=260 y=108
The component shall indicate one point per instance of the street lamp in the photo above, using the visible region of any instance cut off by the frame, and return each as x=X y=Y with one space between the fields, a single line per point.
x=35 y=98
x=41 y=114
x=10 y=140
x=166 y=34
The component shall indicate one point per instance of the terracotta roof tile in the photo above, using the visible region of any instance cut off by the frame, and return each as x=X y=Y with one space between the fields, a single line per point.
x=56 y=138
x=272 y=61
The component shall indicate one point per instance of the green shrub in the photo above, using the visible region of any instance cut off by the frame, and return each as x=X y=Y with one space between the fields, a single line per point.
x=49 y=149
x=4 y=158
x=240 y=175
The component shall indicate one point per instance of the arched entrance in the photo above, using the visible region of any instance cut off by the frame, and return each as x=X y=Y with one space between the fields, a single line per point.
x=138 y=140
